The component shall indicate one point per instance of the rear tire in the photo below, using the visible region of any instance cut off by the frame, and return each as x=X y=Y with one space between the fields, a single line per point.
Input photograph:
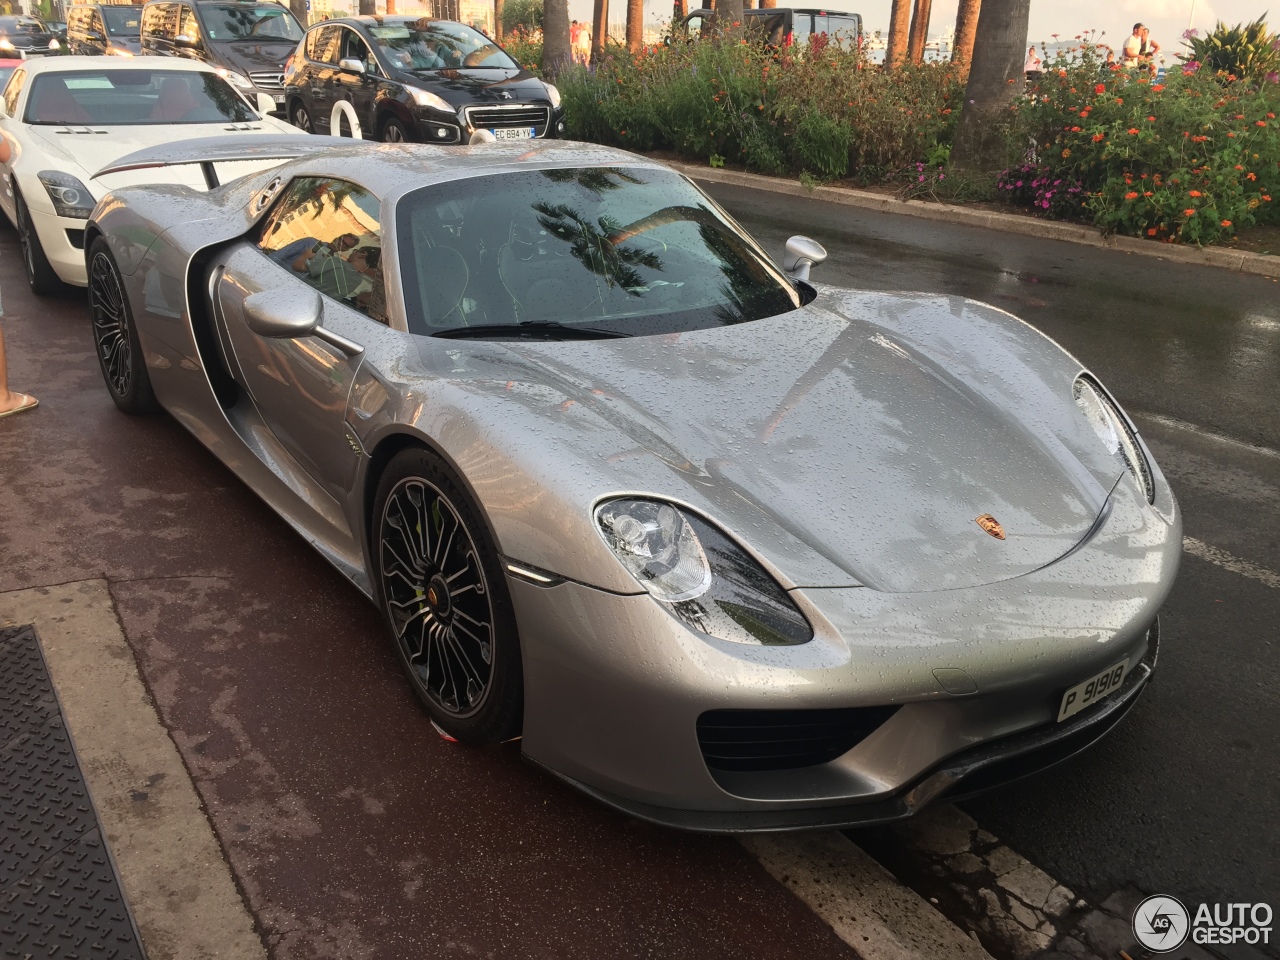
x=115 y=337
x=444 y=600
x=300 y=118
x=40 y=273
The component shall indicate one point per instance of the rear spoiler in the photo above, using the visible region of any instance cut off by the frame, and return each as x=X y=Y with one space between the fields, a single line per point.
x=206 y=151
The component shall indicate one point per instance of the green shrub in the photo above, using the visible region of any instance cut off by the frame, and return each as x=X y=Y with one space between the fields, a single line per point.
x=1244 y=52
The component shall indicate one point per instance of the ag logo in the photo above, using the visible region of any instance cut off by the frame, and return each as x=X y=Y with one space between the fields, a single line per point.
x=1161 y=924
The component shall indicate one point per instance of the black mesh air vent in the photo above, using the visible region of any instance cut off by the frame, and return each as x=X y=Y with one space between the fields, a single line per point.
x=784 y=739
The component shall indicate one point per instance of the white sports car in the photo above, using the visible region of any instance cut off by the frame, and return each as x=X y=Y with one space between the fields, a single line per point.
x=68 y=117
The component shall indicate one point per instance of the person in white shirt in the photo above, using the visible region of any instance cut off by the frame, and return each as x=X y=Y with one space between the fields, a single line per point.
x=11 y=401
x=1033 y=64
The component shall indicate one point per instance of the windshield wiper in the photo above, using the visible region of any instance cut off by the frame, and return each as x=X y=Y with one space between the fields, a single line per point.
x=539 y=329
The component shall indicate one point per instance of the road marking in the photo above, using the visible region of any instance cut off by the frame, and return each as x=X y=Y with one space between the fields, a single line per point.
x=1231 y=562
x=1175 y=424
x=175 y=879
x=880 y=918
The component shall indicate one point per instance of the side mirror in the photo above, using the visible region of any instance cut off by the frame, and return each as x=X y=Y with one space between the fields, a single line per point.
x=283 y=315
x=351 y=65
x=286 y=315
x=266 y=103
x=186 y=41
x=802 y=253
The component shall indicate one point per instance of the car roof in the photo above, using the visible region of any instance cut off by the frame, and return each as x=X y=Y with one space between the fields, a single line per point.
x=389 y=170
x=75 y=64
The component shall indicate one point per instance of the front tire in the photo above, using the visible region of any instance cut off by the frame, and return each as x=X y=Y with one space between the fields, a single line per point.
x=300 y=118
x=394 y=131
x=115 y=337
x=445 y=602
x=40 y=273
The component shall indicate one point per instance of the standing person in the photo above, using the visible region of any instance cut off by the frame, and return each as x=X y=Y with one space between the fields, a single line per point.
x=1149 y=49
x=10 y=401
x=1131 y=53
x=582 y=45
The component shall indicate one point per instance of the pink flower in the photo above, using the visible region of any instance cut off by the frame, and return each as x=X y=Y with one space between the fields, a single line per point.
x=1190 y=68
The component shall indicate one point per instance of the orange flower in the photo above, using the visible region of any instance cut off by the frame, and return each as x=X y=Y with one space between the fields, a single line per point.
x=1195 y=193
x=1251 y=176
x=1189 y=212
x=1151 y=119
x=1230 y=134
x=1133 y=131
x=1151 y=231
x=1131 y=195
x=1148 y=193
x=1099 y=137
x=1226 y=223
x=1266 y=197
x=1239 y=167
x=1158 y=87
x=1261 y=123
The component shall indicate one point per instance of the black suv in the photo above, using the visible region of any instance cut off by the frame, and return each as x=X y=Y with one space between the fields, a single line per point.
x=24 y=37
x=415 y=78
x=250 y=41
x=96 y=29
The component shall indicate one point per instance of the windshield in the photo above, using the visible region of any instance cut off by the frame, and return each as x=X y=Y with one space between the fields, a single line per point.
x=246 y=21
x=22 y=26
x=428 y=44
x=134 y=97
x=122 y=21
x=623 y=250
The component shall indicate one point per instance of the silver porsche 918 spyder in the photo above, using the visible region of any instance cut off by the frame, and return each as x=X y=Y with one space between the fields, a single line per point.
x=727 y=549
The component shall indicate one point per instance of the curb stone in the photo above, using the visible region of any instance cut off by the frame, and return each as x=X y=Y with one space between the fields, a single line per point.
x=1239 y=261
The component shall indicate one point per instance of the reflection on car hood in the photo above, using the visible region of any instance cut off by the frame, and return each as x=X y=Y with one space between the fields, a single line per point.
x=873 y=429
x=466 y=87
x=257 y=57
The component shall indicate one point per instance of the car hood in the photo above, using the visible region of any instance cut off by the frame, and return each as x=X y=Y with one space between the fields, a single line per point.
x=468 y=87
x=868 y=430
x=265 y=56
x=112 y=142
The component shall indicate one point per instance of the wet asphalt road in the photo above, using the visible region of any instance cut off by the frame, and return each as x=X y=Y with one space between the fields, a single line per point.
x=1182 y=799
x=354 y=832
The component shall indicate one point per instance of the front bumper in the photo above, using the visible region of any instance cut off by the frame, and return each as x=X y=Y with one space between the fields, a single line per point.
x=615 y=687
x=63 y=241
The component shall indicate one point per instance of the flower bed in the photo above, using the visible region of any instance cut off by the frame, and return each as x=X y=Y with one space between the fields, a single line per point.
x=1193 y=158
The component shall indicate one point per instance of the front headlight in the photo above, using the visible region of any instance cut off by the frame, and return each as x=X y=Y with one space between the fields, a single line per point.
x=6 y=43
x=425 y=98
x=554 y=94
x=70 y=197
x=1114 y=431
x=706 y=580
x=117 y=52
x=235 y=79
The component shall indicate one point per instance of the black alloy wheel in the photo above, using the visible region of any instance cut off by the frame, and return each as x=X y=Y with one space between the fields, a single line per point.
x=393 y=131
x=40 y=273
x=301 y=119
x=445 y=602
x=115 y=339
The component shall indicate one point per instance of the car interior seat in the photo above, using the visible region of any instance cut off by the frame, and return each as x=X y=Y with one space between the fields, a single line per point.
x=54 y=103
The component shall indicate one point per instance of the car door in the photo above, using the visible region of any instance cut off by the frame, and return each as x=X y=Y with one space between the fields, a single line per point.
x=10 y=124
x=159 y=27
x=301 y=387
x=323 y=47
x=359 y=89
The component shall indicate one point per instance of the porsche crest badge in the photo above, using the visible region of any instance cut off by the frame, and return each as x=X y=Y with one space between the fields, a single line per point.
x=991 y=525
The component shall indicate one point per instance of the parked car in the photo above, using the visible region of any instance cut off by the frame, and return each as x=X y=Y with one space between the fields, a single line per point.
x=59 y=30
x=784 y=26
x=410 y=78
x=24 y=38
x=67 y=117
x=728 y=549
x=248 y=41
x=97 y=29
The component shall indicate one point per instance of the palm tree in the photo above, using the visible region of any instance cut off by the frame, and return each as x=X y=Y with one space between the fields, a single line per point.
x=995 y=79
x=966 y=30
x=498 y=10
x=919 y=29
x=729 y=12
x=635 y=25
x=599 y=30
x=556 y=54
x=299 y=9
x=899 y=23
